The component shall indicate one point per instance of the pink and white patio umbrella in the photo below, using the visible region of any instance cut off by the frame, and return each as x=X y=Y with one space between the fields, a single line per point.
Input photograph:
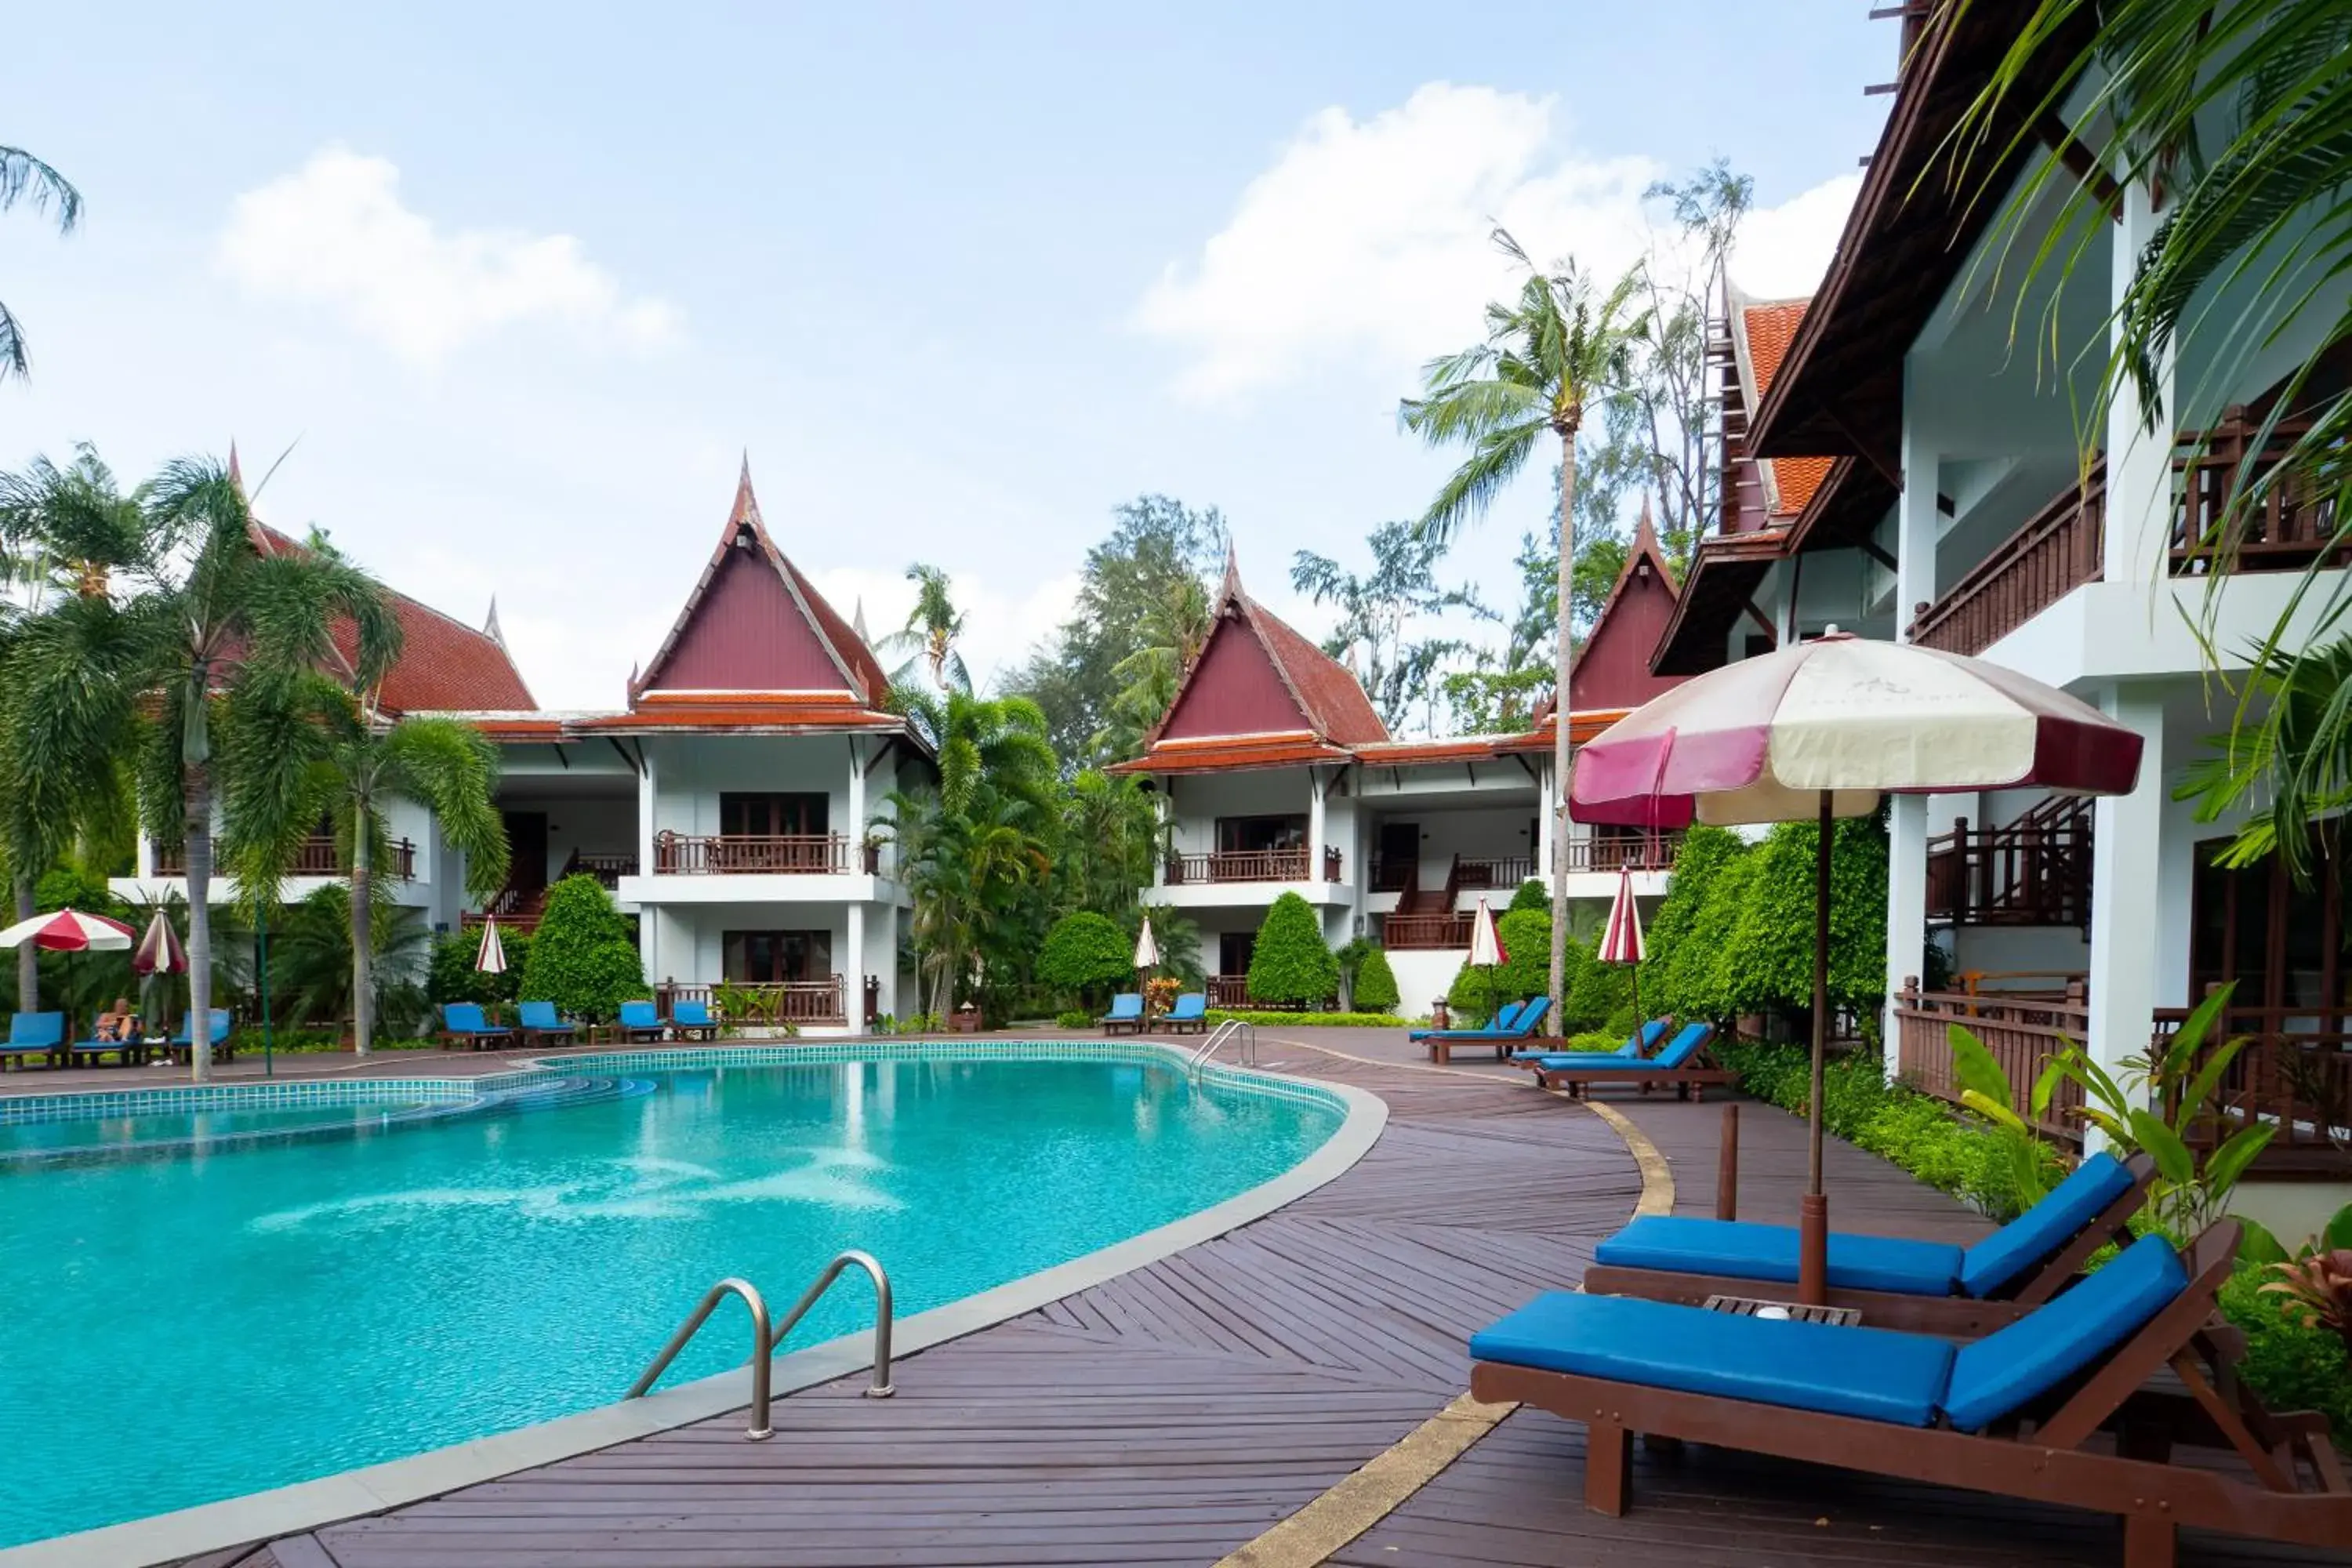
x=1823 y=731
x=492 y=957
x=159 y=952
x=68 y=930
x=1486 y=946
x=1620 y=937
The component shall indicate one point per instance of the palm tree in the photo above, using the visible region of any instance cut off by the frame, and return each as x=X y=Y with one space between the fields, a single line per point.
x=313 y=957
x=213 y=613
x=1557 y=350
x=300 y=749
x=25 y=178
x=1174 y=629
x=932 y=629
x=999 y=741
x=67 y=670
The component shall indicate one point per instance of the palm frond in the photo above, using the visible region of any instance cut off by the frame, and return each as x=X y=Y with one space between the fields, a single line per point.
x=26 y=178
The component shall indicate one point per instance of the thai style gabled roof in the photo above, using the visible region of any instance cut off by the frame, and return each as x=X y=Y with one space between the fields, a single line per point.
x=1259 y=695
x=755 y=633
x=444 y=666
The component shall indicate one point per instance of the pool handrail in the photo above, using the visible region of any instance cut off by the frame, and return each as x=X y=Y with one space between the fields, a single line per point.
x=1231 y=1029
x=765 y=1341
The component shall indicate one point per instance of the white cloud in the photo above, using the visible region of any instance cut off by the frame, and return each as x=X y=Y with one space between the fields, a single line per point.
x=335 y=233
x=1370 y=239
x=1782 y=251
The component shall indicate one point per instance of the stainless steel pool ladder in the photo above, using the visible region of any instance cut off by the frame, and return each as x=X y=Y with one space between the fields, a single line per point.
x=764 y=1342
x=1230 y=1029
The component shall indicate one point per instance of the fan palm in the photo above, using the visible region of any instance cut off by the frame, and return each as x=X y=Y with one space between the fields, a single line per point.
x=299 y=749
x=932 y=630
x=25 y=178
x=1549 y=356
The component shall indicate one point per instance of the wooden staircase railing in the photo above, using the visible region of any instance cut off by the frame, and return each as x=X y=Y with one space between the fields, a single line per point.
x=2032 y=871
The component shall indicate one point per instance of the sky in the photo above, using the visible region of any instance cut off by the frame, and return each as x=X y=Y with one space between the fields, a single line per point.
x=501 y=296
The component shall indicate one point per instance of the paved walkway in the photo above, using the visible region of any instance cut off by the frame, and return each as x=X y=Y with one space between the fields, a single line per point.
x=1177 y=1414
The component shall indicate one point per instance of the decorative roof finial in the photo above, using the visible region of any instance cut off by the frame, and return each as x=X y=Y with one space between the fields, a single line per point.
x=1232 y=588
x=236 y=474
x=491 y=625
x=747 y=505
x=857 y=619
x=1645 y=531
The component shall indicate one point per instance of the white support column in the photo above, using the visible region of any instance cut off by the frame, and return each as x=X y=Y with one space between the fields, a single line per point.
x=2126 y=878
x=853 y=976
x=146 y=866
x=1907 y=907
x=1786 y=581
x=1915 y=519
x=1546 y=822
x=856 y=830
x=1314 y=825
x=647 y=795
x=2140 y=465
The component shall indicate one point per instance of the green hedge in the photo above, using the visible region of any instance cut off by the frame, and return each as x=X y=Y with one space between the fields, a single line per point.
x=1291 y=962
x=1085 y=955
x=1375 y=989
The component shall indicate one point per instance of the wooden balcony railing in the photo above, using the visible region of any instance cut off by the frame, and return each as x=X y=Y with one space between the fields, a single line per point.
x=754 y=1003
x=1408 y=933
x=1392 y=876
x=718 y=855
x=2021 y=1033
x=1647 y=852
x=1248 y=865
x=1483 y=873
x=1228 y=990
x=316 y=856
x=2057 y=551
x=2034 y=871
x=608 y=868
x=2062 y=547
x=2295 y=1073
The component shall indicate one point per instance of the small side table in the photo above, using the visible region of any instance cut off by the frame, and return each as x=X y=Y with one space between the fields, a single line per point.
x=1751 y=1306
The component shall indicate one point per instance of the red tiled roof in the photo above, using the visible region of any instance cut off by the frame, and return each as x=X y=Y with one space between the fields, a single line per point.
x=444 y=665
x=1767 y=328
x=828 y=644
x=1235 y=754
x=1334 y=700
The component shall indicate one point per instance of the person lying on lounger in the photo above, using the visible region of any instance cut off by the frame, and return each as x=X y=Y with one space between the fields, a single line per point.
x=120 y=1024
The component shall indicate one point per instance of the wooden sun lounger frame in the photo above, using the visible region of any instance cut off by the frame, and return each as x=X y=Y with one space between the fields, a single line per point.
x=1688 y=1080
x=1955 y=1317
x=2300 y=1494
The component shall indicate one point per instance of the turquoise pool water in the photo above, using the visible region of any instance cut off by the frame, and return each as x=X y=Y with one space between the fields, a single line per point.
x=116 y=1132
x=184 y=1329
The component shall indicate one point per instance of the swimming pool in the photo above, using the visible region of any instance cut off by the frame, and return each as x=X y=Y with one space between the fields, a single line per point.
x=237 y=1316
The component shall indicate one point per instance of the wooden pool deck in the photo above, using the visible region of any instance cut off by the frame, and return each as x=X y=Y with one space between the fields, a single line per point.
x=1176 y=1413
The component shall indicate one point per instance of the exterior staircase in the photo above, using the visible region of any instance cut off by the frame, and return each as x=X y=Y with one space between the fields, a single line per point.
x=2032 y=871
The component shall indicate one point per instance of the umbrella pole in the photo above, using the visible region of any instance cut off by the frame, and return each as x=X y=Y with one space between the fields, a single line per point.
x=1814 y=1209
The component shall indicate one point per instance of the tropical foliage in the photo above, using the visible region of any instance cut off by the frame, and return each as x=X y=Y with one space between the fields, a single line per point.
x=1375 y=985
x=584 y=957
x=1291 y=964
x=1377 y=613
x=25 y=178
x=1086 y=954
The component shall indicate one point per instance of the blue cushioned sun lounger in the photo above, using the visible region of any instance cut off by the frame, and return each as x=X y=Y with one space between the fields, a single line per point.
x=693 y=1021
x=1191 y=1012
x=1508 y=1029
x=641 y=1020
x=2018 y=1414
x=34 y=1035
x=182 y=1046
x=1893 y=1281
x=1682 y=1063
x=542 y=1025
x=462 y=1022
x=1639 y=1043
x=1126 y=1013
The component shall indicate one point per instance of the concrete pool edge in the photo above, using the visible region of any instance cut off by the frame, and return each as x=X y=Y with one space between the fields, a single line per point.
x=259 y=1516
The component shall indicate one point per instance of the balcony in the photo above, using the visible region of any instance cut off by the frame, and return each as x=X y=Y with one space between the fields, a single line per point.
x=1424 y=933
x=1248 y=865
x=607 y=869
x=2063 y=546
x=315 y=857
x=1642 y=852
x=2034 y=871
x=745 y=855
x=762 y=1004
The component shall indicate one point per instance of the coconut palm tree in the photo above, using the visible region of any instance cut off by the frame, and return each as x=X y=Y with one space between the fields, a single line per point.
x=1549 y=356
x=929 y=636
x=1174 y=629
x=25 y=178
x=299 y=749
x=68 y=668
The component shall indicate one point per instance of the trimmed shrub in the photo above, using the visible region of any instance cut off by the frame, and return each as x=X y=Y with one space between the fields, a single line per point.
x=1074 y=1019
x=450 y=974
x=1531 y=896
x=1376 y=986
x=1597 y=992
x=1291 y=962
x=2293 y=1367
x=583 y=958
x=1085 y=955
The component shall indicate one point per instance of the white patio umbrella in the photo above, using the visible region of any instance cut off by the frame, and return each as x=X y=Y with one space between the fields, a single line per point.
x=492 y=958
x=1823 y=731
x=68 y=930
x=1486 y=946
x=1620 y=939
x=1147 y=957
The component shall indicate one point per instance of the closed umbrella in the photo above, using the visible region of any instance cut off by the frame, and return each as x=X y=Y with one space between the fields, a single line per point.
x=1486 y=946
x=1147 y=957
x=1823 y=731
x=68 y=930
x=1620 y=939
x=159 y=952
x=492 y=958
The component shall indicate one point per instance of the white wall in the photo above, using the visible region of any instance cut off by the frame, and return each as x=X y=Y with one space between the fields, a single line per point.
x=691 y=771
x=1199 y=799
x=1480 y=833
